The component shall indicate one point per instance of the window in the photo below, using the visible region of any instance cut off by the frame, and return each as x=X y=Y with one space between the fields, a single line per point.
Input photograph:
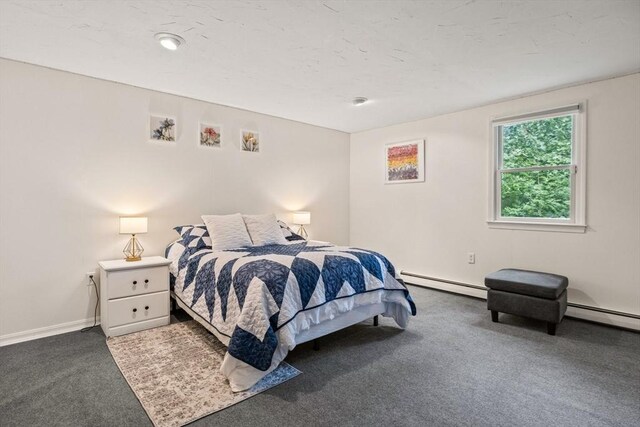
x=538 y=172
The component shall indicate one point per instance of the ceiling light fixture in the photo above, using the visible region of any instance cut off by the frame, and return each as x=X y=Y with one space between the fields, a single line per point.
x=359 y=100
x=169 y=41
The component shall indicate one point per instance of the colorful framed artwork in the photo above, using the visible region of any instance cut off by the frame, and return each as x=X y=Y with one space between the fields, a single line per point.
x=404 y=162
x=210 y=135
x=162 y=128
x=250 y=141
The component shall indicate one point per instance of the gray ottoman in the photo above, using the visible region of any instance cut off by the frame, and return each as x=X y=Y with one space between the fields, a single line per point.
x=540 y=296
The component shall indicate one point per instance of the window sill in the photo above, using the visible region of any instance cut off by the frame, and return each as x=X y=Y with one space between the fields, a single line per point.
x=538 y=226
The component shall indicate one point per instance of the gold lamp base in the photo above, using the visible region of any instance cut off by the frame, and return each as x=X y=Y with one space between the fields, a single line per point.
x=133 y=251
x=302 y=232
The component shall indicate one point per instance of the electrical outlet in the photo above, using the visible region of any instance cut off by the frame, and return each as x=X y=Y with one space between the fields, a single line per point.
x=471 y=258
x=87 y=278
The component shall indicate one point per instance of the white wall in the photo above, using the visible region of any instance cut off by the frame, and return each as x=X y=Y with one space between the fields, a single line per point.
x=428 y=228
x=74 y=156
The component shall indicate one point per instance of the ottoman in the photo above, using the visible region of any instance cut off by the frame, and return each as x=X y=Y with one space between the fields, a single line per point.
x=541 y=296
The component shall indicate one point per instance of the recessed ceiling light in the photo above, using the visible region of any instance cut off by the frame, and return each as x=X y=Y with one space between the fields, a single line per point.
x=169 y=41
x=359 y=100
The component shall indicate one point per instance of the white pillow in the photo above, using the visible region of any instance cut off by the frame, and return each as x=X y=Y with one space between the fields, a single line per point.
x=227 y=231
x=264 y=230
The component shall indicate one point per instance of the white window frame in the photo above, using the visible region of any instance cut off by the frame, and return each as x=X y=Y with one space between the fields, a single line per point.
x=577 y=221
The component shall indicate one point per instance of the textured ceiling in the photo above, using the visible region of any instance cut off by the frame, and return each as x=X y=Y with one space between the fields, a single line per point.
x=305 y=60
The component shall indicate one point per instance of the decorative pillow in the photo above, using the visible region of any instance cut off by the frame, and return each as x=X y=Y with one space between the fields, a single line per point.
x=288 y=233
x=178 y=254
x=227 y=231
x=194 y=236
x=264 y=230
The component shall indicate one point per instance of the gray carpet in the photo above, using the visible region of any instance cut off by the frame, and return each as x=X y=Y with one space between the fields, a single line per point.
x=452 y=366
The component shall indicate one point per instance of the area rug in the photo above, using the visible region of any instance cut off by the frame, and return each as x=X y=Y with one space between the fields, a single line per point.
x=175 y=372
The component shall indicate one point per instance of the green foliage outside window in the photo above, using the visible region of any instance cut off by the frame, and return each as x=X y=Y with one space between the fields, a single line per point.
x=537 y=194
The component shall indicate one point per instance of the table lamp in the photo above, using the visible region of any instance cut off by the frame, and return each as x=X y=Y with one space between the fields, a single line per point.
x=133 y=225
x=302 y=219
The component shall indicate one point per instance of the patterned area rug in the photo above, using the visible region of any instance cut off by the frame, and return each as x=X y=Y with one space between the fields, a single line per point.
x=175 y=372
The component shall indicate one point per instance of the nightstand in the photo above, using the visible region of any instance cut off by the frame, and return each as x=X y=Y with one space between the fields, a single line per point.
x=134 y=295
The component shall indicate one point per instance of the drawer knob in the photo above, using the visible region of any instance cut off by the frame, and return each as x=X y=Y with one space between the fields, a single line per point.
x=135 y=282
x=146 y=280
x=146 y=307
x=135 y=309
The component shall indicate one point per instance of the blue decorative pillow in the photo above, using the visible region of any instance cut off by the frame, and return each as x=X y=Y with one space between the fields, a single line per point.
x=288 y=233
x=194 y=237
x=178 y=254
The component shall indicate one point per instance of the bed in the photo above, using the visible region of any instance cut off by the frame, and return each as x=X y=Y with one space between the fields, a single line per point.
x=263 y=301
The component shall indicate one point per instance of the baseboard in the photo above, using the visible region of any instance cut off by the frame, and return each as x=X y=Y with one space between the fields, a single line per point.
x=575 y=312
x=604 y=318
x=454 y=289
x=579 y=313
x=47 y=331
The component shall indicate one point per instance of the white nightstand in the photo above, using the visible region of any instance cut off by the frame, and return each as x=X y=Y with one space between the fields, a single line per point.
x=134 y=295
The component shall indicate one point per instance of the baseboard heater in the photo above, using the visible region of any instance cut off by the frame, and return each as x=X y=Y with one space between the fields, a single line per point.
x=484 y=288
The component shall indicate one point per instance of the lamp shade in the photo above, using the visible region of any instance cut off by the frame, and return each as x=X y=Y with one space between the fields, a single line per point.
x=133 y=224
x=302 y=218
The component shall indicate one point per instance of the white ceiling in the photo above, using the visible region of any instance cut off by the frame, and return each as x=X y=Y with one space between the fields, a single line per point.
x=306 y=60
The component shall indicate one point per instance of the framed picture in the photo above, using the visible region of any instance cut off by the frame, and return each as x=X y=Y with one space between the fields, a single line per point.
x=250 y=141
x=210 y=135
x=162 y=128
x=404 y=162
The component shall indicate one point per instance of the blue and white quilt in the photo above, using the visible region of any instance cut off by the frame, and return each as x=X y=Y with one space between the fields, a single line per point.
x=258 y=298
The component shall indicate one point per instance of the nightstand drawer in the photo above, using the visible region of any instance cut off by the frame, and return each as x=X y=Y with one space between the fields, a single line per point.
x=136 y=309
x=138 y=281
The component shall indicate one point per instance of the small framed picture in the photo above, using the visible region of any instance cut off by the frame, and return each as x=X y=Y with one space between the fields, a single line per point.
x=210 y=135
x=162 y=128
x=250 y=141
x=404 y=162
